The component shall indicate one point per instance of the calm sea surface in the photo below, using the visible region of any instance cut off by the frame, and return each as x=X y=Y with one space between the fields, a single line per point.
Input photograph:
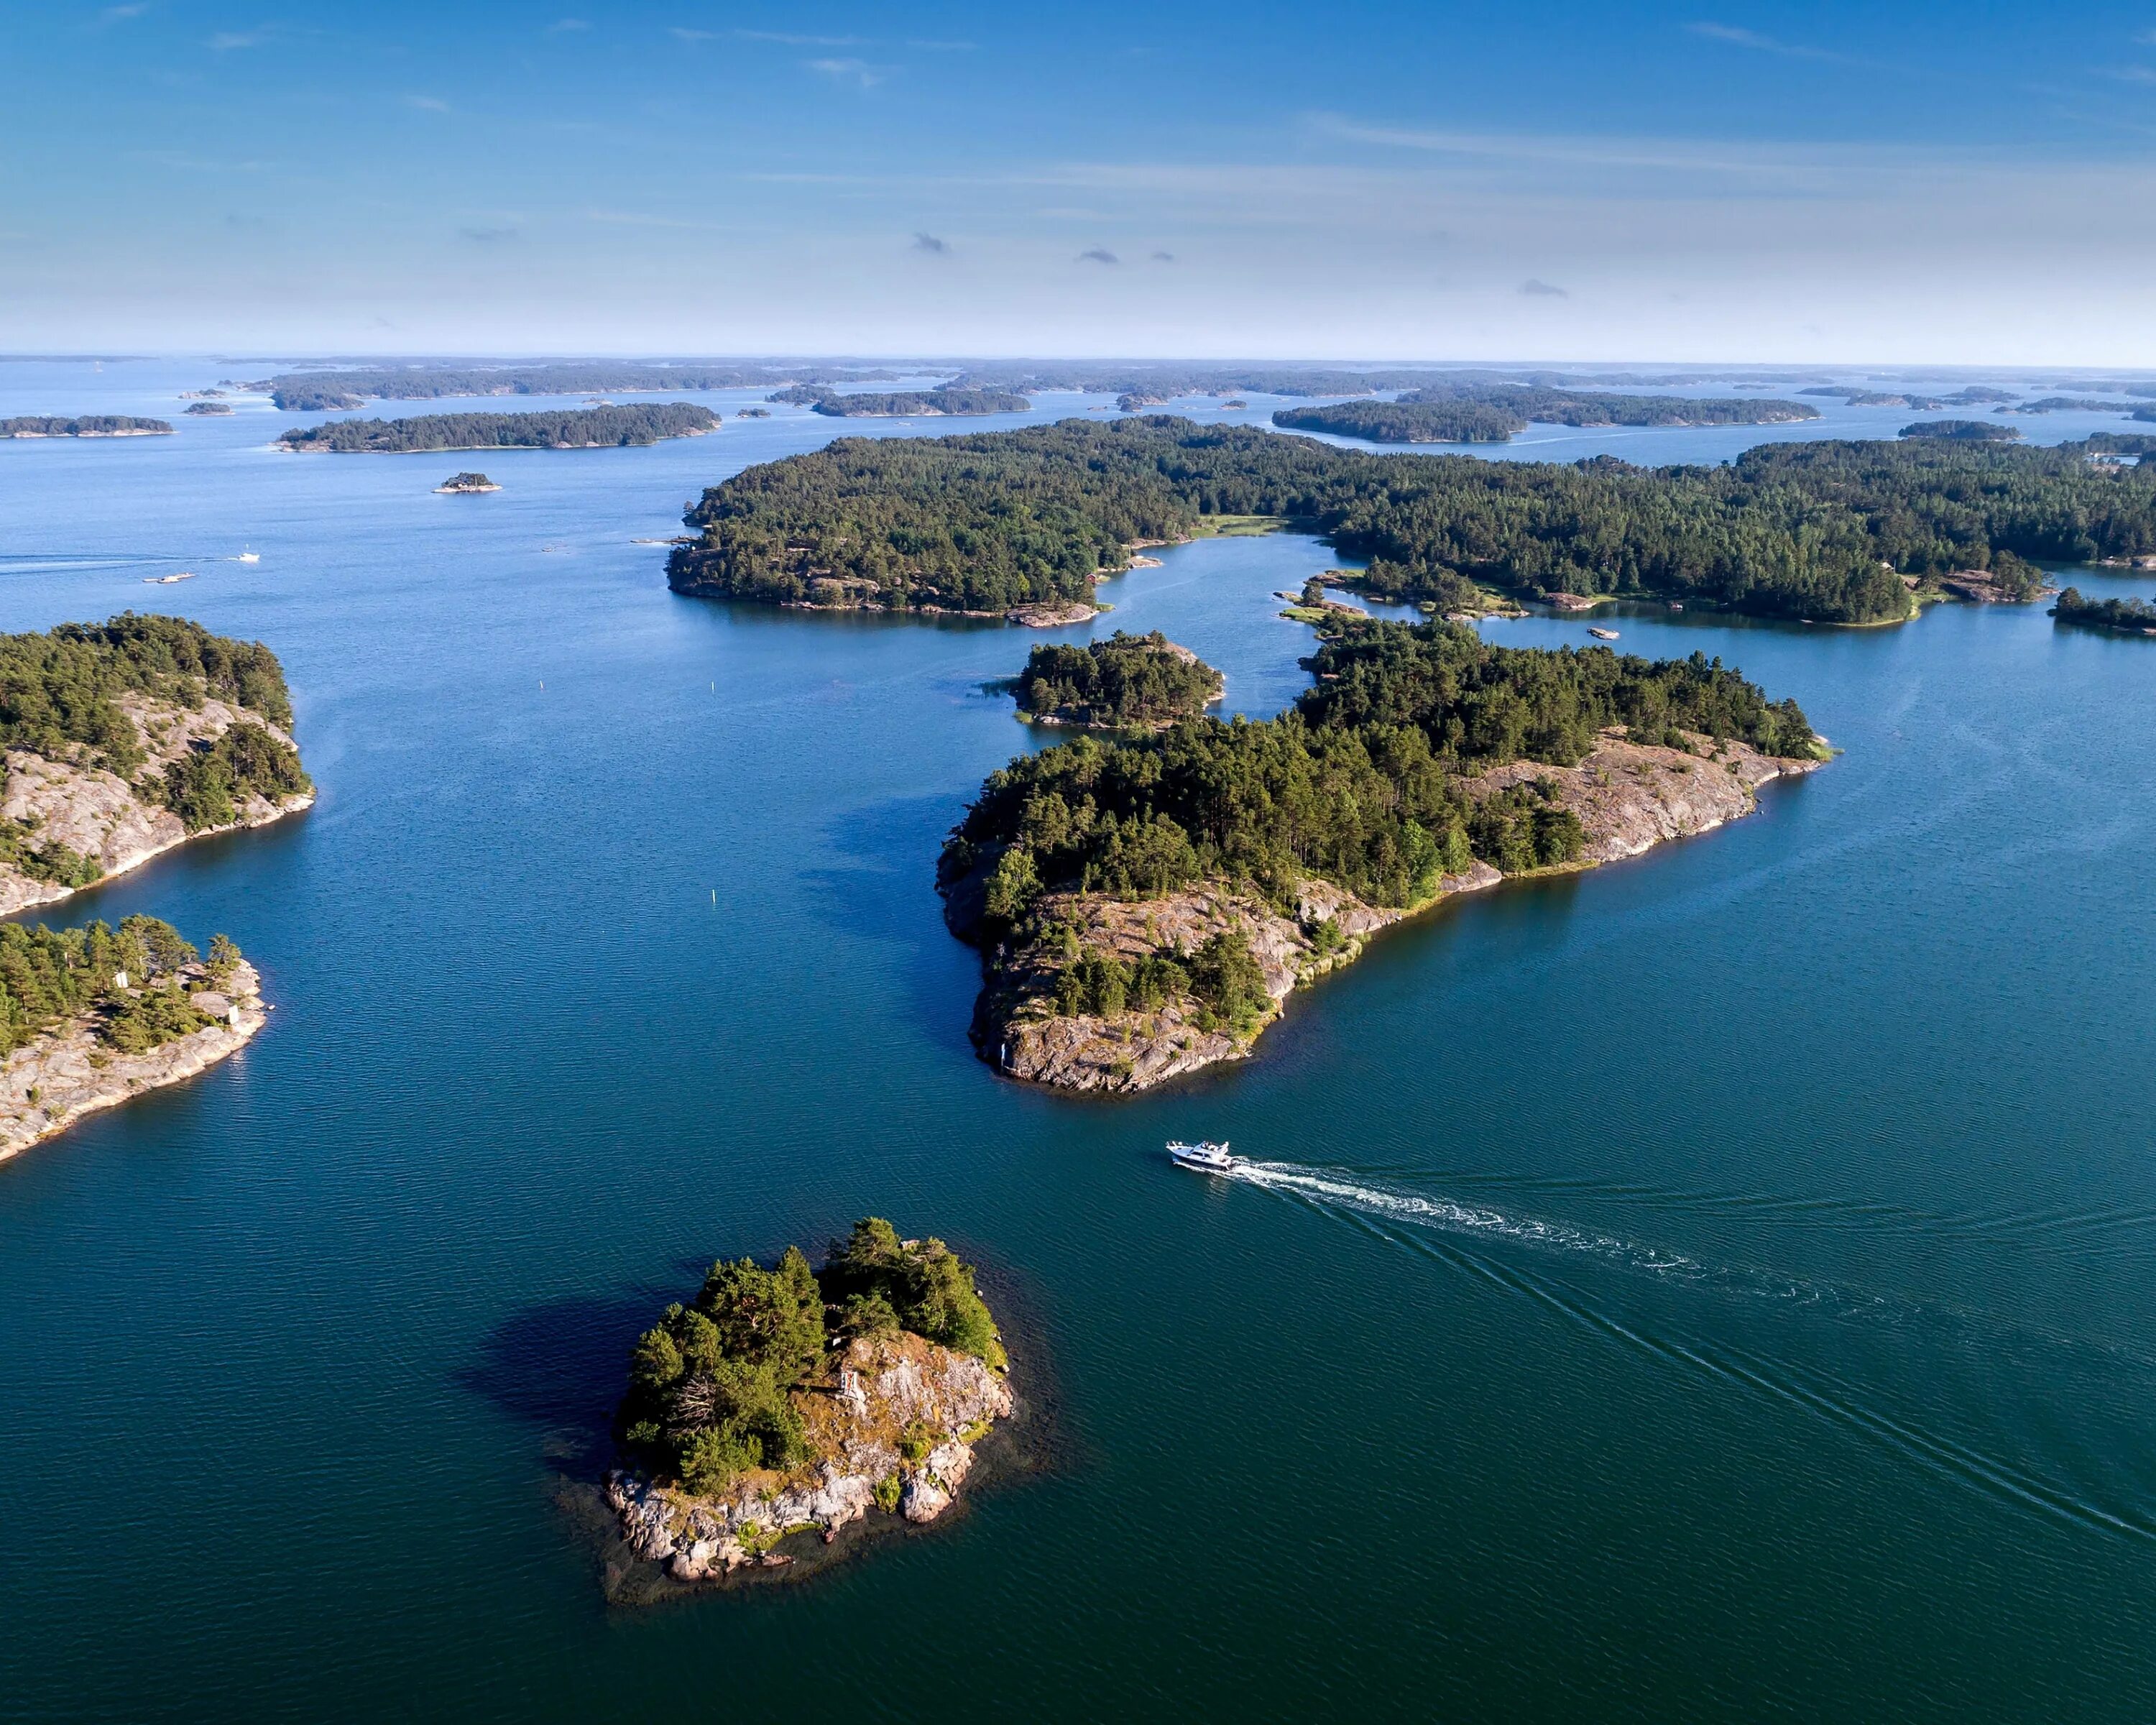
x=1722 y=1286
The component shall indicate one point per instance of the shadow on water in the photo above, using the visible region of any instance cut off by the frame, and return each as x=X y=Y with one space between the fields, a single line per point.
x=885 y=892
x=559 y=1367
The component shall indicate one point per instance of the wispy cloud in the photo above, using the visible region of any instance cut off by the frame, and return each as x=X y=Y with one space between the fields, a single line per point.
x=681 y=32
x=2133 y=75
x=432 y=104
x=1736 y=36
x=1163 y=257
x=563 y=24
x=490 y=236
x=121 y=14
x=225 y=41
x=1543 y=290
x=930 y=243
x=786 y=39
x=1096 y=254
x=944 y=47
x=858 y=73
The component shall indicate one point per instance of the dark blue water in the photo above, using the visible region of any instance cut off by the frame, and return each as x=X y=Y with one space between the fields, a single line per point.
x=1718 y=1287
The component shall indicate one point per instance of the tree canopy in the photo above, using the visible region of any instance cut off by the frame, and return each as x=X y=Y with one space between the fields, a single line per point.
x=1126 y=680
x=1360 y=783
x=710 y=1386
x=559 y=428
x=990 y=520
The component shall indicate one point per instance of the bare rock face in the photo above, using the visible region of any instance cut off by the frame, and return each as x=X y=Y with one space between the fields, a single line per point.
x=894 y=1421
x=1628 y=797
x=47 y=1085
x=101 y=815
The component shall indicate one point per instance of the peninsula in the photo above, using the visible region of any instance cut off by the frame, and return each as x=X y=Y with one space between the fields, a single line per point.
x=83 y=425
x=125 y=738
x=787 y=1402
x=1127 y=682
x=1144 y=905
x=325 y=391
x=993 y=521
x=565 y=428
x=89 y=1017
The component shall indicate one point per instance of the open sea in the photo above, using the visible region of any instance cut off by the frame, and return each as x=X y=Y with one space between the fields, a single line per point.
x=1719 y=1286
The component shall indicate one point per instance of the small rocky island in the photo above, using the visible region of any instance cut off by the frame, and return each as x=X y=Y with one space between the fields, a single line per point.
x=1144 y=904
x=125 y=738
x=1127 y=682
x=210 y=409
x=784 y=1404
x=2128 y=616
x=89 y=1017
x=83 y=425
x=466 y=484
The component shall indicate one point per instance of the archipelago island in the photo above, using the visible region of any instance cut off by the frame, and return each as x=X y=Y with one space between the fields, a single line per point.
x=564 y=428
x=91 y=1017
x=1024 y=523
x=782 y=1406
x=1144 y=903
x=1124 y=683
x=83 y=425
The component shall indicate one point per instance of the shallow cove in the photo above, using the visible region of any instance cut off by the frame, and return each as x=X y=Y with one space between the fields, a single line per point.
x=1803 y=1366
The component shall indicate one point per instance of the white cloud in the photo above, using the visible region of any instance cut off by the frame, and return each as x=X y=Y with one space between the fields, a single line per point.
x=786 y=39
x=858 y=73
x=431 y=104
x=1737 y=36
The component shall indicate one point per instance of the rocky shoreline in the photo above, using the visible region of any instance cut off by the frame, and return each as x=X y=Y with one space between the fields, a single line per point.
x=896 y=1420
x=1628 y=797
x=101 y=817
x=49 y=1084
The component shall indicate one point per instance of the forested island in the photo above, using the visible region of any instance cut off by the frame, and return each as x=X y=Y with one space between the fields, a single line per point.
x=788 y=1401
x=89 y=1017
x=1981 y=431
x=1144 y=902
x=209 y=409
x=905 y=404
x=560 y=428
x=83 y=425
x=1492 y=414
x=123 y=739
x=466 y=484
x=2128 y=616
x=1823 y=531
x=324 y=391
x=1127 y=682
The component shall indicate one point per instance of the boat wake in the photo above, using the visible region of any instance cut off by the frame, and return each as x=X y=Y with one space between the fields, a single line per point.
x=2000 y=1462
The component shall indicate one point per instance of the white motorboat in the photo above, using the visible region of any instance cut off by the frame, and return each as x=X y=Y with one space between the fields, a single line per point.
x=1205 y=1157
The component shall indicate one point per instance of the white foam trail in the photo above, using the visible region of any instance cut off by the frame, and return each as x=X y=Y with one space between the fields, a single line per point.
x=1999 y=1473
x=1455 y=1218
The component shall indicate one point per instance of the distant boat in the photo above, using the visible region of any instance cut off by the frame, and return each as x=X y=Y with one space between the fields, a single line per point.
x=167 y=580
x=249 y=557
x=1204 y=1158
x=1603 y=635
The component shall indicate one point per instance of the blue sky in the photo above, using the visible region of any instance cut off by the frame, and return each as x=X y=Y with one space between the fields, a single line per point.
x=1881 y=182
